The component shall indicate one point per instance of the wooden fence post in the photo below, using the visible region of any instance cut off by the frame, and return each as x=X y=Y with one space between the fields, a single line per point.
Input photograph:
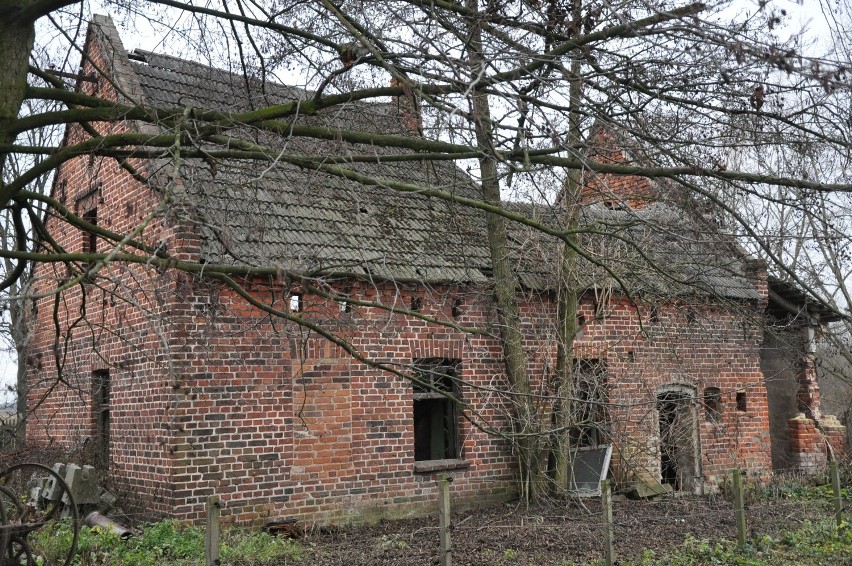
x=211 y=537
x=606 y=503
x=446 y=552
x=838 y=499
x=739 y=507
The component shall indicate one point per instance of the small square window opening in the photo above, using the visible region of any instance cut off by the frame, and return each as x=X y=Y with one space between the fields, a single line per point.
x=655 y=315
x=457 y=308
x=296 y=303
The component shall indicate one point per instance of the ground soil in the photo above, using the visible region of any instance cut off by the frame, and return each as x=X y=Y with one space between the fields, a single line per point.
x=552 y=534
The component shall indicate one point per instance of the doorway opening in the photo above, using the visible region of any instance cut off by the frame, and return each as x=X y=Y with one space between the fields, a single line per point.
x=678 y=438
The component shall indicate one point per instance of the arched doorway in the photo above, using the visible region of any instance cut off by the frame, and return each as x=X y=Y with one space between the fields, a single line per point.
x=678 y=430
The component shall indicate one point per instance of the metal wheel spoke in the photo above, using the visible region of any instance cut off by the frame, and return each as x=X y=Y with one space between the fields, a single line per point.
x=35 y=500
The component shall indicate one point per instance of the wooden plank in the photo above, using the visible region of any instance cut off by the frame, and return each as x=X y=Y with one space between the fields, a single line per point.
x=739 y=506
x=212 y=535
x=838 y=499
x=606 y=503
x=446 y=550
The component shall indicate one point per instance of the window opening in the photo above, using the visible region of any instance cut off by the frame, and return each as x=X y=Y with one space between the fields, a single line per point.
x=416 y=304
x=581 y=322
x=600 y=307
x=436 y=435
x=457 y=308
x=589 y=411
x=100 y=408
x=655 y=314
x=90 y=239
x=742 y=403
x=713 y=403
x=295 y=302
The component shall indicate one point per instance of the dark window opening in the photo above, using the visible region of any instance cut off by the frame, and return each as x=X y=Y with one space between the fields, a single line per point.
x=588 y=411
x=457 y=308
x=691 y=316
x=742 y=404
x=345 y=307
x=90 y=239
x=100 y=410
x=713 y=403
x=436 y=435
x=655 y=315
x=416 y=304
x=600 y=309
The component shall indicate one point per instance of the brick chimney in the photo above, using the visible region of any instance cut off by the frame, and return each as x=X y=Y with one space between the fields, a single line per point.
x=407 y=108
x=614 y=191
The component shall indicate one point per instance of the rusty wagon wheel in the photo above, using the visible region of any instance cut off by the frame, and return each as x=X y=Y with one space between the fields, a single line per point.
x=42 y=521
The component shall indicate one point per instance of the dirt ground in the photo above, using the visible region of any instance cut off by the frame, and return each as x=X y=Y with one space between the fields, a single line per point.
x=551 y=534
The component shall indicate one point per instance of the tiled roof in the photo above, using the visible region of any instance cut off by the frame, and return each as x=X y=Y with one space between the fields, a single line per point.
x=654 y=251
x=274 y=213
x=261 y=214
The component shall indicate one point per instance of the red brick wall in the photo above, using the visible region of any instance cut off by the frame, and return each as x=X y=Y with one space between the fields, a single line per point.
x=122 y=319
x=614 y=191
x=695 y=345
x=280 y=423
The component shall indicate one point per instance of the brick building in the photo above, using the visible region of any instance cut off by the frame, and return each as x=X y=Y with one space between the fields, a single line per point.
x=275 y=393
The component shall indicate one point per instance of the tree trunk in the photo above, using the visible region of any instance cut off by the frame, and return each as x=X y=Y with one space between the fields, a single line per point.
x=16 y=43
x=21 y=391
x=566 y=308
x=567 y=297
x=505 y=283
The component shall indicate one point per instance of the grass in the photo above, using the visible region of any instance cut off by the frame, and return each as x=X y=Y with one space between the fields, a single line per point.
x=171 y=542
x=821 y=543
x=174 y=543
x=167 y=542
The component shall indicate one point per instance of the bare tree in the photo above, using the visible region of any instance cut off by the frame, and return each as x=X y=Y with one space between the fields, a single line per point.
x=518 y=87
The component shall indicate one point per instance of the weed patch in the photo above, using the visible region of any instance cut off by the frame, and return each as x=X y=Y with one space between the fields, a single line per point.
x=168 y=542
